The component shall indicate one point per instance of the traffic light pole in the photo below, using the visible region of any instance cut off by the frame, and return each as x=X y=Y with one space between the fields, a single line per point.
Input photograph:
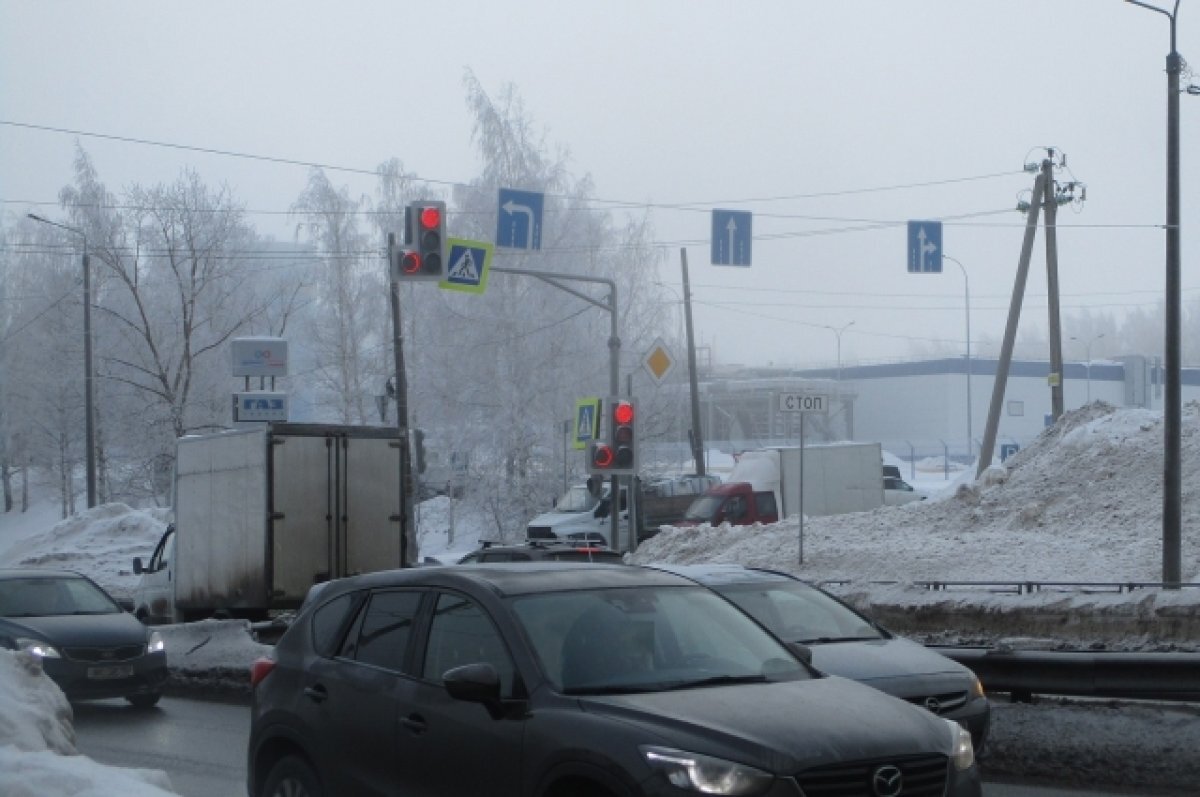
x=614 y=366
x=408 y=552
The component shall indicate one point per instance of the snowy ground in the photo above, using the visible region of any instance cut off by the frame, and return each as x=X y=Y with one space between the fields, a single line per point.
x=1082 y=503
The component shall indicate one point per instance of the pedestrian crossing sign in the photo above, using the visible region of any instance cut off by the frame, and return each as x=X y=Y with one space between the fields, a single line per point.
x=587 y=422
x=468 y=265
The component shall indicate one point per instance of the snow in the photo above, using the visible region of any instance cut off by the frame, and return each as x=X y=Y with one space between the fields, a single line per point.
x=1081 y=503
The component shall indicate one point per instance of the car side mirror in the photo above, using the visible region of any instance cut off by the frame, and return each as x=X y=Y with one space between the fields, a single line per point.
x=802 y=652
x=475 y=683
x=137 y=566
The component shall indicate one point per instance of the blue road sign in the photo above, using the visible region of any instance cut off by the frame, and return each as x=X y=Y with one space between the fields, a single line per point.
x=1007 y=450
x=925 y=247
x=469 y=264
x=519 y=224
x=732 y=236
x=587 y=421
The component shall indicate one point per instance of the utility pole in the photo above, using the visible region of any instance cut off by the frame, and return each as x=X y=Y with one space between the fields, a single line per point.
x=988 y=446
x=696 y=439
x=1050 y=200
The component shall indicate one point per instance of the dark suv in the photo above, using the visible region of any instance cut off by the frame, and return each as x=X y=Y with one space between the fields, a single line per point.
x=571 y=680
x=545 y=551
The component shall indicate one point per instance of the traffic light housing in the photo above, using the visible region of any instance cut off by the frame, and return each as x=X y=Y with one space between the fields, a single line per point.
x=424 y=255
x=616 y=455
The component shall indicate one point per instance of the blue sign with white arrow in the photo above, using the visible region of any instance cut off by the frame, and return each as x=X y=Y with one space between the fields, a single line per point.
x=925 y=247
x=731 y=237
x=519 y=224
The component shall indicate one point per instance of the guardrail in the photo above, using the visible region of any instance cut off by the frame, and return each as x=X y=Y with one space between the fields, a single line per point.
x=1023 y=587
x=1024 y=673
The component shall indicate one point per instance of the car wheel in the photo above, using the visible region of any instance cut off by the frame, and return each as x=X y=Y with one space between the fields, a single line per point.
x=291 y=777
x=144 y=701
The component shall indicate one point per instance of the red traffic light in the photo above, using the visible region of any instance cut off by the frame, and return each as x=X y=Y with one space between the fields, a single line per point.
x=623 y=412
x=602 y=456
x=410 y=262
x=431 y=217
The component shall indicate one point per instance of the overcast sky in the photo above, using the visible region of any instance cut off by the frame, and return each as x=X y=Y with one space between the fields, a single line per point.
x=788 y=109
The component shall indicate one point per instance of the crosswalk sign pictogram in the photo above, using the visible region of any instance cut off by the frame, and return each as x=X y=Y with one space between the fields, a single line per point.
x=587 y=422
x=468 y=265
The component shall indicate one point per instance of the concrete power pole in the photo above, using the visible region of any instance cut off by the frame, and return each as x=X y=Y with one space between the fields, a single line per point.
x=1050 y=200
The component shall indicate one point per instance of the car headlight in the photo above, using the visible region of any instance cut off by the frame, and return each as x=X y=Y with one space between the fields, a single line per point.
x=962 y=752
x=705 y=774
x=155 y=643
x=38 y=647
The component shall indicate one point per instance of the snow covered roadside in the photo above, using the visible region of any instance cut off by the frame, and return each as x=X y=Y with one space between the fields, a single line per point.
x=37 y=743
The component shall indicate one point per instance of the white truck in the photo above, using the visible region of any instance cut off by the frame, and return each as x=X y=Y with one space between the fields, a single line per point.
x=765 y=485
x=262 y=514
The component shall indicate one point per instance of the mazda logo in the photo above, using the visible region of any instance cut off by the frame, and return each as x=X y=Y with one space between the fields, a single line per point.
x=933 y=704
x=887 y=781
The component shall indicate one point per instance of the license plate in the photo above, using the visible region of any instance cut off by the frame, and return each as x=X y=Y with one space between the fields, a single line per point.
x=110 y=673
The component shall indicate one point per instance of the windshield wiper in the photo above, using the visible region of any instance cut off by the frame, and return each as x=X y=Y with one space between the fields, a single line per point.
x=718 y=680
x=820 y=640
x=615 y=689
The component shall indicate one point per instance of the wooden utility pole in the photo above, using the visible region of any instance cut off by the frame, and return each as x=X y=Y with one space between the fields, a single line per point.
x=1050 y=200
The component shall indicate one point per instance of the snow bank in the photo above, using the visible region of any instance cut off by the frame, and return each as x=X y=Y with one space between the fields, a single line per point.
x=37 y=743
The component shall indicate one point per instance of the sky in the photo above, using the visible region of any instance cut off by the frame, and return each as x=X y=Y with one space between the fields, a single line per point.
x=1034 y=518
x=817 y=117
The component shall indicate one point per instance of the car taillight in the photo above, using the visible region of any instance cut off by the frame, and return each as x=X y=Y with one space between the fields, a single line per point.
x=260 y=669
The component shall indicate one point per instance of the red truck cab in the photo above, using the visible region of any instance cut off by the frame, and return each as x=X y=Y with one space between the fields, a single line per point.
x=735 y=503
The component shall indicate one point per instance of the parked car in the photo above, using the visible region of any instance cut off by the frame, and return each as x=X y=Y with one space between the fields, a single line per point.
x=541 y=551
x=88 y=645
x=551 y=678
x=845 y=642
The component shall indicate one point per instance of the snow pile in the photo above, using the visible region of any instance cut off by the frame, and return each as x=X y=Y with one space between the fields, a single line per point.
x=1083 y=502
x=99 y=542
x=37 y=743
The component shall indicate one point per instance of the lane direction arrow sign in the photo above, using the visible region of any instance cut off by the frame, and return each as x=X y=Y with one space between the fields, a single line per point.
x=732 y=237
x=519 y=221
x=925 y=247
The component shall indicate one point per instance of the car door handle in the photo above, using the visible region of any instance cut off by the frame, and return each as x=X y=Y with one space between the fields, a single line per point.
x=318 y=693
x=415 y=723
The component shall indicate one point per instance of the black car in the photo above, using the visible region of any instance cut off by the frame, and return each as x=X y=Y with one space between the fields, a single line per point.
x=559 y=679
x=88 y=645
x=845 y=642
x=545 y=551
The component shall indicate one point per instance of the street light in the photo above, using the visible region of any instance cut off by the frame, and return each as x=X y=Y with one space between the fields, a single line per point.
x=967 y=294
x=1172 y=515
x=838 y=331
x=1088 y=348
x=88 y=395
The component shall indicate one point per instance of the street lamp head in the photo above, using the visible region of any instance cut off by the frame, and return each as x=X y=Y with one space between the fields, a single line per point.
x=1194 y=90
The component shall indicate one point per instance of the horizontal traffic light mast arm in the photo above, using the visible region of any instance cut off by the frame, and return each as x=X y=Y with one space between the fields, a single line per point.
x=552 y=277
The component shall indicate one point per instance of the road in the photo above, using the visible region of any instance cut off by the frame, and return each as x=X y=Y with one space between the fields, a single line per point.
x=202 y=746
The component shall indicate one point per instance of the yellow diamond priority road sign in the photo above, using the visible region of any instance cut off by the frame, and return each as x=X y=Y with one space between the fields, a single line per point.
x=658 y=361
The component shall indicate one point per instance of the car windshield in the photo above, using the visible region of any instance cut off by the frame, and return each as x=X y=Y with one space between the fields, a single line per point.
x=704 y=508
x=796 y=612
x=576 y=499
x=48 y=596
x=649 y=639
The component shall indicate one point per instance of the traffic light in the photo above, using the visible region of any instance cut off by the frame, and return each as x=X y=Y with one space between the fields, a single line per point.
x=616 y=455
x=621 y=418
x=424 y=256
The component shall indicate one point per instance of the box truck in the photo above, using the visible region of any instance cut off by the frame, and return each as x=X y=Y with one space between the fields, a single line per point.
x=262 y=514
x=765 y=485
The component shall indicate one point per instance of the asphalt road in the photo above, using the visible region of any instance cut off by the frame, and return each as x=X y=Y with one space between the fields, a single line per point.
x=202 y=746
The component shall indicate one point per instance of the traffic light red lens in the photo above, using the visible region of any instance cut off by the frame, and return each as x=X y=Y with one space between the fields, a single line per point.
x=431 y=217
x=410 y=263
x=623 y=413
x=602 y=456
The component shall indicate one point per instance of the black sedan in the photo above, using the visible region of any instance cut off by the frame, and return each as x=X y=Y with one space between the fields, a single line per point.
x=844 y=642
x=88 y=644
x=549 y=679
